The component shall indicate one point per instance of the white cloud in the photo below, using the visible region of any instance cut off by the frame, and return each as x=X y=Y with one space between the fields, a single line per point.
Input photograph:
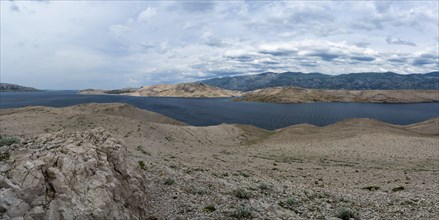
x=113 y=44
x=118 y=30
x=146 y=15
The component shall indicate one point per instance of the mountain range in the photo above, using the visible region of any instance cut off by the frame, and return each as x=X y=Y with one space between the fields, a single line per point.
x=351 y=81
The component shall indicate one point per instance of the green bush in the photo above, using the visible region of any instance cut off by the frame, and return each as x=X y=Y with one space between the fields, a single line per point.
x=346 y=213
x=290 y=203
x=264 y=186
x=7 y=141
x=142 y=165
x=242 y=212
x=241 y=193
x=169 y=181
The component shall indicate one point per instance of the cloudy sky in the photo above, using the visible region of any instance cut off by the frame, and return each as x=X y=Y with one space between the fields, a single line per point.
x=115 y=44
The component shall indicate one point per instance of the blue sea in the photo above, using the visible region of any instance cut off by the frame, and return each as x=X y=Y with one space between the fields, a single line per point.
x=212 y=111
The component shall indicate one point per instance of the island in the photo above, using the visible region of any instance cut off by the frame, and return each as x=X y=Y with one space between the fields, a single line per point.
x=188 y=90
x=8 y=87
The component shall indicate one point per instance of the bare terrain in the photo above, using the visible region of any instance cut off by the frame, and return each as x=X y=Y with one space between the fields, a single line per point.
x=301 y=95
x=190 y=90
x=114 y=161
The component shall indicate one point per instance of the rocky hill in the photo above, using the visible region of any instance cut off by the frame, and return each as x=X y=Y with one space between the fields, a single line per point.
x=7 y=87
x=352 y=81
x=184 y=90
x=301 y=95
x=193 y=90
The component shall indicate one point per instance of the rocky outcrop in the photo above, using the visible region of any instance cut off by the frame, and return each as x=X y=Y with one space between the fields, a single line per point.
x=82 y=175
x=302 y=95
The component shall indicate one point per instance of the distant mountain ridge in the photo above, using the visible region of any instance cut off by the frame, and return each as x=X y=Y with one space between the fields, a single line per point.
x=351 y=81
x=8 y=87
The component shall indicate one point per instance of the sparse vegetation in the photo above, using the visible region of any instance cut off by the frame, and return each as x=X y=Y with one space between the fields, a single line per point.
x=346 y=213
x=397 y=189
x=241 y=193
x=242 y=173
x=290 y=203
x=142 y=165
x=209 y=208
x=242 y=213
x=198 y=191
x=264 y=187
x=7 y=141
x=169 y=181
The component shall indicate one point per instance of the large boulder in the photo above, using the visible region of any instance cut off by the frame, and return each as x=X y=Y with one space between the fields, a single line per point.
x=82 y=175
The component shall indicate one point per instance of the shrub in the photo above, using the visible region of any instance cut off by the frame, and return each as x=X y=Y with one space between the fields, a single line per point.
x=289 y=203
x=7 y=141
x=346 y=213
x=142 y=165
x=242 y=212
x=241 y=193
x=264 y=186
x=169 y=181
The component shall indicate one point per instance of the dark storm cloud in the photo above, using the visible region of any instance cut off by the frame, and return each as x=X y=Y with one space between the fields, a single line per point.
x=278 y=52
x=426 y=59
x=363 y=58
x=398 y=60
x=325 y=55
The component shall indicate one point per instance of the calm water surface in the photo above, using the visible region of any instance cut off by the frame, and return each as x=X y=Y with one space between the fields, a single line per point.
x=202 y=112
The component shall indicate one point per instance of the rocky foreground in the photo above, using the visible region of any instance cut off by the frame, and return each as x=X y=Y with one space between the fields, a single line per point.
x=301 y=95
x=114 y=161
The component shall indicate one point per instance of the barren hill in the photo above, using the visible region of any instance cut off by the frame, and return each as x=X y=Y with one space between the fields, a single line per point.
x=193 y=90
x=184 y=90
x=301 y=95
